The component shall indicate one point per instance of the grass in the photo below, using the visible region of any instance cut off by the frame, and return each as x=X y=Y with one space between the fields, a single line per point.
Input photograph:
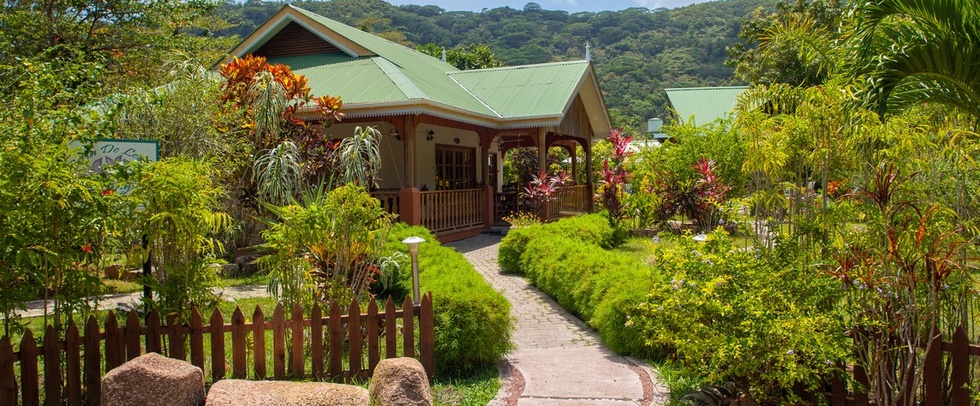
x=678 y=383
x=479 y=388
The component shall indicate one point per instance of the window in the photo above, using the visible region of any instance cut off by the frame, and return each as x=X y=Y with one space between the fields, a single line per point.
x=455 y=167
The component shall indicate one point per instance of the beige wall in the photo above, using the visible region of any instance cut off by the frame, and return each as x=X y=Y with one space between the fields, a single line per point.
x=392 y=152
x=425 y=151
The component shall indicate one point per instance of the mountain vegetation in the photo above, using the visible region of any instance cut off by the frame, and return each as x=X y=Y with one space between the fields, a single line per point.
x=637 y=52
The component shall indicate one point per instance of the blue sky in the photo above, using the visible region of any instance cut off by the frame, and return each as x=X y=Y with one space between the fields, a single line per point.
x=571 y=6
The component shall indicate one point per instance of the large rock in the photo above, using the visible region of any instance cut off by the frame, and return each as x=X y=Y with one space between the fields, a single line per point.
x=400 y=382
x=237 y=392
x=152 y=379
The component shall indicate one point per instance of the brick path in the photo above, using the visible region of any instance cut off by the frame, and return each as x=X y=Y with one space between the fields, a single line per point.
x=558 y=360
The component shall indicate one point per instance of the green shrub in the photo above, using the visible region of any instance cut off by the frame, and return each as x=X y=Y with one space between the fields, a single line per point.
x=599 y=286
x=472 y=320
x=738 y=316
x=591 y=228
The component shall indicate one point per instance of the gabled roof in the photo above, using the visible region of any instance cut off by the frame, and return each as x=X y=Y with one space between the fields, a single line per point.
x=376 y=77
x=706 y=104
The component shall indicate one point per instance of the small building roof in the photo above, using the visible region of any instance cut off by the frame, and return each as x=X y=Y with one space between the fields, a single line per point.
x=376 y=77
x=706 y=104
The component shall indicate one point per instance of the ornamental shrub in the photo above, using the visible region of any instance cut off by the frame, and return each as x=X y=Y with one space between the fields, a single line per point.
x=472 y=320
x=599 y=286
x=732 y=315
x=592 y=229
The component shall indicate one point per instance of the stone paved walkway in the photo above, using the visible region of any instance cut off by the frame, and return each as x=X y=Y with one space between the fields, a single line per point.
x=35 y=308
x=558 y=360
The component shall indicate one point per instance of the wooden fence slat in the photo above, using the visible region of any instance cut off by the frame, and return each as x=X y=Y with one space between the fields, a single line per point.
x=8 y=379
x=861 y=386
x=838 y=388
x=933 y=369
x=336 y=342
x=217 y=330
x=133 y=349
x=408 y=327
x=316 y=340
x=30 y=386
x=279 y=343
x=391 y=336
x=355 y=339
x=113 y=344
x=175 y=337
x=258 y=342
x=197 y=339
x=372 y=327
x=960 y=371
x=427 y=340
x=52 y=370
x=93 y=362
x=297 y=358
x=238 y=368
x=153 y=333
x=73 y=365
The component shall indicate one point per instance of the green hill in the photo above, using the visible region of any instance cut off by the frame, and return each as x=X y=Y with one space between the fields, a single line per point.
x=637 y=52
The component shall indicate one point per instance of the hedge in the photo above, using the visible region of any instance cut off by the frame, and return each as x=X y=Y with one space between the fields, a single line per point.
x=591 y=229
x=472 y=320
x=601 y=287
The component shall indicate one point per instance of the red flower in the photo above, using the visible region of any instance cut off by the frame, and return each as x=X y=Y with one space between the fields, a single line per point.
x=106 y=192
x=87 y=248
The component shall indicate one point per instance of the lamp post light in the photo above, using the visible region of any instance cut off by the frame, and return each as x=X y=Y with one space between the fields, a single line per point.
x=413 y=243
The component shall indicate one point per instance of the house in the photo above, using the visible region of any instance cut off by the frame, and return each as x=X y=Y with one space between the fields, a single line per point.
x=445 y=131
x=704 y=104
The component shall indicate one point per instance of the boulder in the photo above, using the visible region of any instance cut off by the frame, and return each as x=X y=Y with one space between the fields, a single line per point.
x=113 y=271
x=400 y=382
x=152 y=379
x=246 y=264
x=237 y=392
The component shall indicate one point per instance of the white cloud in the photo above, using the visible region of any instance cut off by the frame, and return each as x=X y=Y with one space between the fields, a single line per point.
x=650 y=4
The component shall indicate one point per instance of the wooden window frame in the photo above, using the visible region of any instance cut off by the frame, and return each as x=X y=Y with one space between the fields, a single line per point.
x=461 y=175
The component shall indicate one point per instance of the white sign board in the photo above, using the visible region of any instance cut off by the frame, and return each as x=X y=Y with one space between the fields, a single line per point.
x=106 y=152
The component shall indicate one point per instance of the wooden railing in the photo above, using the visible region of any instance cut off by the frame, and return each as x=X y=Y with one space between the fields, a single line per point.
x=940 y=386
x=574 y=199
x=451 y=210
x=388 y=199
x=368 y=337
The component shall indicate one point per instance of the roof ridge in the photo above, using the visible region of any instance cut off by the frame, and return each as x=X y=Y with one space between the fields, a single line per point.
x=537 y=65
x=467 y=90
x=404 y=84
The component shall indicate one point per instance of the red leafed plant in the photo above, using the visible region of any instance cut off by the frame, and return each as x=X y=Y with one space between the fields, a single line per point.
x=615 y=177
x=544 y=188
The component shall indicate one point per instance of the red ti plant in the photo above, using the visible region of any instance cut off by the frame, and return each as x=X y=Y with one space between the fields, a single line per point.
x=545 y=188
x=615 y=177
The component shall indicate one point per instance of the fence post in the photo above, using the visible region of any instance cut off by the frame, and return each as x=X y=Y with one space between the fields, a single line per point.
x=316 y=340
x=30 y=387
x=113 y=346
x=408 y=328
x=238 y=368
x=8 y=380
x=298 y=359
x=354 y=338
x=960 y=394
x=426 y=335
x=73 y=365
x=372 y=327
x=933 y=369
x=391 y=336
x=133 y=349
x=197 y=339
x=175 y=337
x=278 y=343
x=93 y=362
x=217 y=330
x=52 y=370
x=258 y=342
x=336 y=342
x=153 y=334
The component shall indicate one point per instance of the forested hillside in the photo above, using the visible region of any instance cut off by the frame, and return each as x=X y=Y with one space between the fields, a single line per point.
x=637 y=52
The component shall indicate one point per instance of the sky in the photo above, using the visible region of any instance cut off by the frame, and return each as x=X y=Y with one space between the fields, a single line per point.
x=571 y=6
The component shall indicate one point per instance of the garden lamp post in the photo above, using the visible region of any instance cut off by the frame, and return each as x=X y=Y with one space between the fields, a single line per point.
x=413 y=243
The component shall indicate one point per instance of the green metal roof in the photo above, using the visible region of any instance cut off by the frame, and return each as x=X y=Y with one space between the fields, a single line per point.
x=706 y=104
x=392 y=73
x=525 y=91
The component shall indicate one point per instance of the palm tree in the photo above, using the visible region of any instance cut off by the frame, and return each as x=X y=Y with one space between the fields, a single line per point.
x=917 y=51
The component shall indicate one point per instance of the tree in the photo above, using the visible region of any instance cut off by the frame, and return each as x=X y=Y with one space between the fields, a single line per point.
x=917 y=51
x=473 y=56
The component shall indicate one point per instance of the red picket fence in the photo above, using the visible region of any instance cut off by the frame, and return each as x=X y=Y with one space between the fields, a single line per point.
x=86 y=358
x=938 y=388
